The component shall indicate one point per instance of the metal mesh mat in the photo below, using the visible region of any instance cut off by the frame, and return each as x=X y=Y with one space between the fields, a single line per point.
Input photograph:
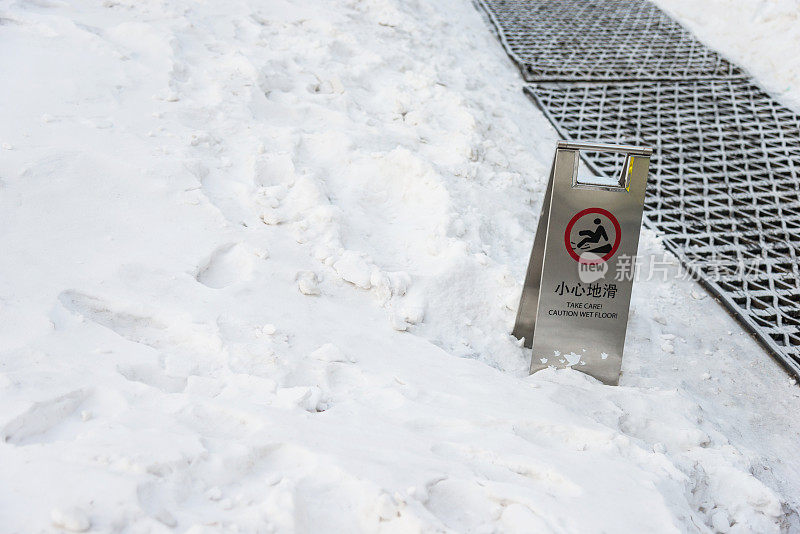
x=724 y=185
x=601 y=40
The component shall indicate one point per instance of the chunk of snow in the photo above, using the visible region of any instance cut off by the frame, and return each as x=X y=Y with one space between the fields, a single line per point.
x=73 y=519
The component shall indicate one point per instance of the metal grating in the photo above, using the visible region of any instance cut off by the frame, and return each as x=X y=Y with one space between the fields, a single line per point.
x=725 y=174
x=724 y=186
x=601 y=40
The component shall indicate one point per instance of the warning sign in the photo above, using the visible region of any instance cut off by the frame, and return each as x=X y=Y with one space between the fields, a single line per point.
x=570 y=313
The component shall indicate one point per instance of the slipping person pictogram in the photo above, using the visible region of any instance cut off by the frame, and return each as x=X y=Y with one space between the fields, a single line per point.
x=593 y=237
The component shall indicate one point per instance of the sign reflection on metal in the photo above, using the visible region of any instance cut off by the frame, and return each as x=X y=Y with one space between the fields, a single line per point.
x=574 y=306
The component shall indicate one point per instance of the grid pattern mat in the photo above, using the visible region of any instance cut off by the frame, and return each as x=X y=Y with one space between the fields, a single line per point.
x=601 y=40
x=724 y=185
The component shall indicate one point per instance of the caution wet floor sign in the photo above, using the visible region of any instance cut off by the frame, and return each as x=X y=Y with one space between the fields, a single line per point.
x=574 y=306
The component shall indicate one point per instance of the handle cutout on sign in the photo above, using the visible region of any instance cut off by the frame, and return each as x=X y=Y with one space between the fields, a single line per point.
x=619 y=180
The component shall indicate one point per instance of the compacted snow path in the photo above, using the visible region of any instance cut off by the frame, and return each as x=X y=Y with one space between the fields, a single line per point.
x=259 y=264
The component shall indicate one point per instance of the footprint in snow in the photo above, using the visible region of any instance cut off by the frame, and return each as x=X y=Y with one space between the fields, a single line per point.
x=227 y=265
x=31 y=425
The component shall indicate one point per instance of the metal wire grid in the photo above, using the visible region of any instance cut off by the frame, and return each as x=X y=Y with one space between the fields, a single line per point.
x=724 y=185
x=601 y=40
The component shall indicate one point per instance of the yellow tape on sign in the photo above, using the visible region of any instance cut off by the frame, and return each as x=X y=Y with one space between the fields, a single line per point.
x=630 y=170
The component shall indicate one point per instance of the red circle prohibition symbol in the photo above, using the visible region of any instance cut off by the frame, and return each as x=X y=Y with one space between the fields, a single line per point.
x=617 y=237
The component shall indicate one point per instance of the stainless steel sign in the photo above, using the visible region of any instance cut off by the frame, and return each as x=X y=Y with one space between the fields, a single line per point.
x=574 y=306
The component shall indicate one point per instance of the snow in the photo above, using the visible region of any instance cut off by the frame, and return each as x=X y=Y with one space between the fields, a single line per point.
x=759 y=35
x=260 y=262
x=72 y=520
